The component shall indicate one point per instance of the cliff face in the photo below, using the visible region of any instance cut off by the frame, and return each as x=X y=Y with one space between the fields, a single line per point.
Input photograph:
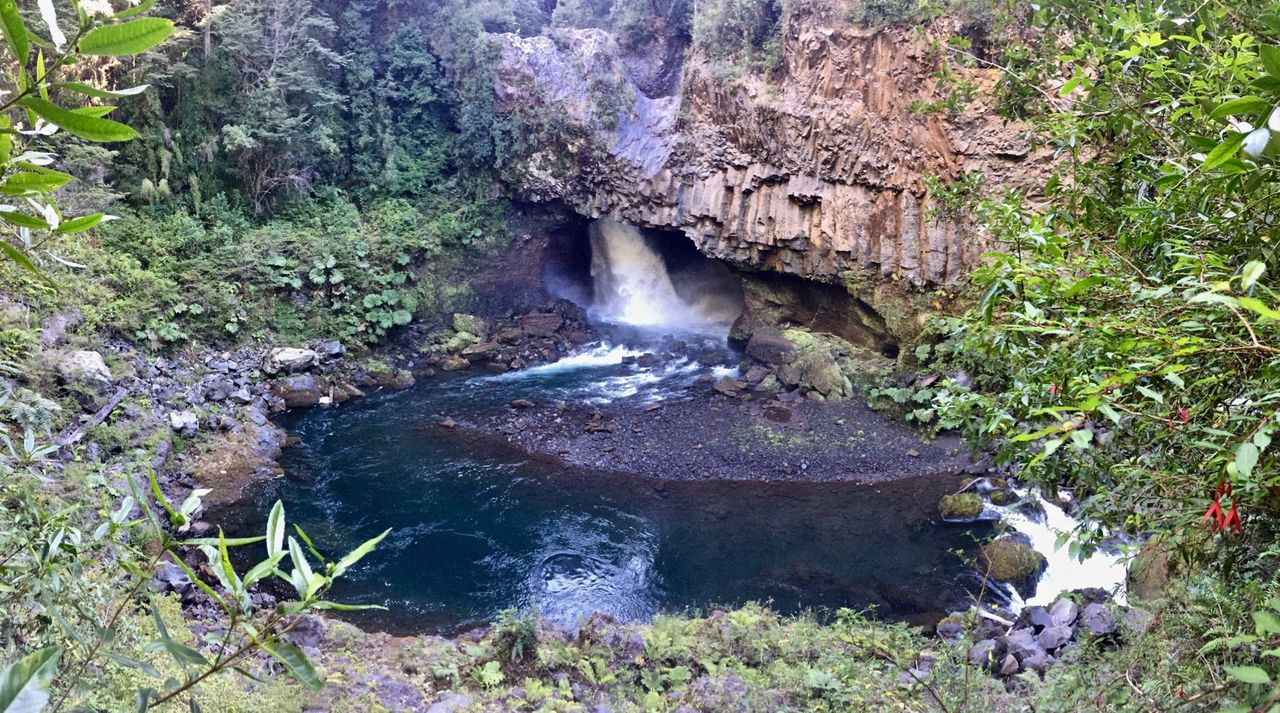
x=818 y=173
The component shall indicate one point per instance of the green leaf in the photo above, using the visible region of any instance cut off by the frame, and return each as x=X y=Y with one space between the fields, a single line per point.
x=1242 y=105
x=23 y=220
x=1224 y=152
x=275 y=529
x=89 y=128
x=1246 y=459
x=24 y=684
x=92 y=91
x=297 y=663
x=79 y=225
x=15 y=33
x=25 y=183
x=1270 y=59
x=358 y=553
x=1268 y=623
x=1247 y=674
x=1250 y=274
x=1259 y=307
x=1083 y=285
x=134 y=11
x=1215 y=298
x=184 y=655
x=133 y=37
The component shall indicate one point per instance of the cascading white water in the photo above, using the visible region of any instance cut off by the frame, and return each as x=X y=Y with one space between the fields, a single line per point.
x=633 y=285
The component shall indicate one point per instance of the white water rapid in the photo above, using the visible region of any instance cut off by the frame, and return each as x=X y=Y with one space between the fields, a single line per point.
x=1102 y=569
x=634 y=286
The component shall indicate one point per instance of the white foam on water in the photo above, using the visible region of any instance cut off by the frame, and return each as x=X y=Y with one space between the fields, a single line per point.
x=1103 y=569
x=603 y=354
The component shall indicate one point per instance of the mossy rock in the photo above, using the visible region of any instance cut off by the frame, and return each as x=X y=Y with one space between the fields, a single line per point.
x=961 y=506
x=470 y=324
x=1003 y=497
x=1012 y=560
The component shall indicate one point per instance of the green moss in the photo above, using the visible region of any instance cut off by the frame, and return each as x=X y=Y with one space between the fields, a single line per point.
x=961 y=506
x=1008 y=559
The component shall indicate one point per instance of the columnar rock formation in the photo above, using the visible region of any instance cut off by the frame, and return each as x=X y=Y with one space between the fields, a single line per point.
x=816 y=171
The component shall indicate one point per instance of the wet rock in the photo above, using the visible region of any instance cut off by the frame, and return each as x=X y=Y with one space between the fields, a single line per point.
x=1010 y=559
x=288 y=359
x=541 y=324
x=1064 y=612
x=455 y=364
x=1098 y=620
x=522 y=403
x=711 y=359
x=647 y=360
x=184 y=423
x=298 y=391
x=960 y=506
x=1002 y=497
x=448 y=423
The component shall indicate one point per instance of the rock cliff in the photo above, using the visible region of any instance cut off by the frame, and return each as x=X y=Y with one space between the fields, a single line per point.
x=817 y=171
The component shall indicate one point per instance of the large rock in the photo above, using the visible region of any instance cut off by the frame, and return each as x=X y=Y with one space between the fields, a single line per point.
x=541 y=324
x=1098 y=620
x=84 y=368
x=288 y=360
x=960 y=506
x=770 y=347
x=299 y=390
x=470 y=324
x=184 y=423
x=1010 y=559
x=821 y=175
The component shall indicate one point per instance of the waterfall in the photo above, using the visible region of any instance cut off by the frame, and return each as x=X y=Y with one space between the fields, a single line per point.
x=634 y=286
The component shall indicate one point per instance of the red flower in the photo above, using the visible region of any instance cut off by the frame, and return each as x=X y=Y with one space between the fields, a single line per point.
x=1223 y=520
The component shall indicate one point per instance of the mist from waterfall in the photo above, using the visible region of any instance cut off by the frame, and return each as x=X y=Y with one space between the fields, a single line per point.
x=634 y=285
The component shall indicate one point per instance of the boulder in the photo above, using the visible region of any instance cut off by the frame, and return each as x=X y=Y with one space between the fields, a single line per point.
x=1022 y=644
x=541 y=324
x=985 y=653
x=184 y=423
x=84 y=368
x=1064 y=612
x=470 y=324
x=960 y=506
x=54 y=329
x=288 y=360
x=330 y=350
x=298 y=391
x=1036 y=617
x=1098 y=620
x=455 y=364
x=770 y=347
x=1054 y=637
x=1010 y=559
